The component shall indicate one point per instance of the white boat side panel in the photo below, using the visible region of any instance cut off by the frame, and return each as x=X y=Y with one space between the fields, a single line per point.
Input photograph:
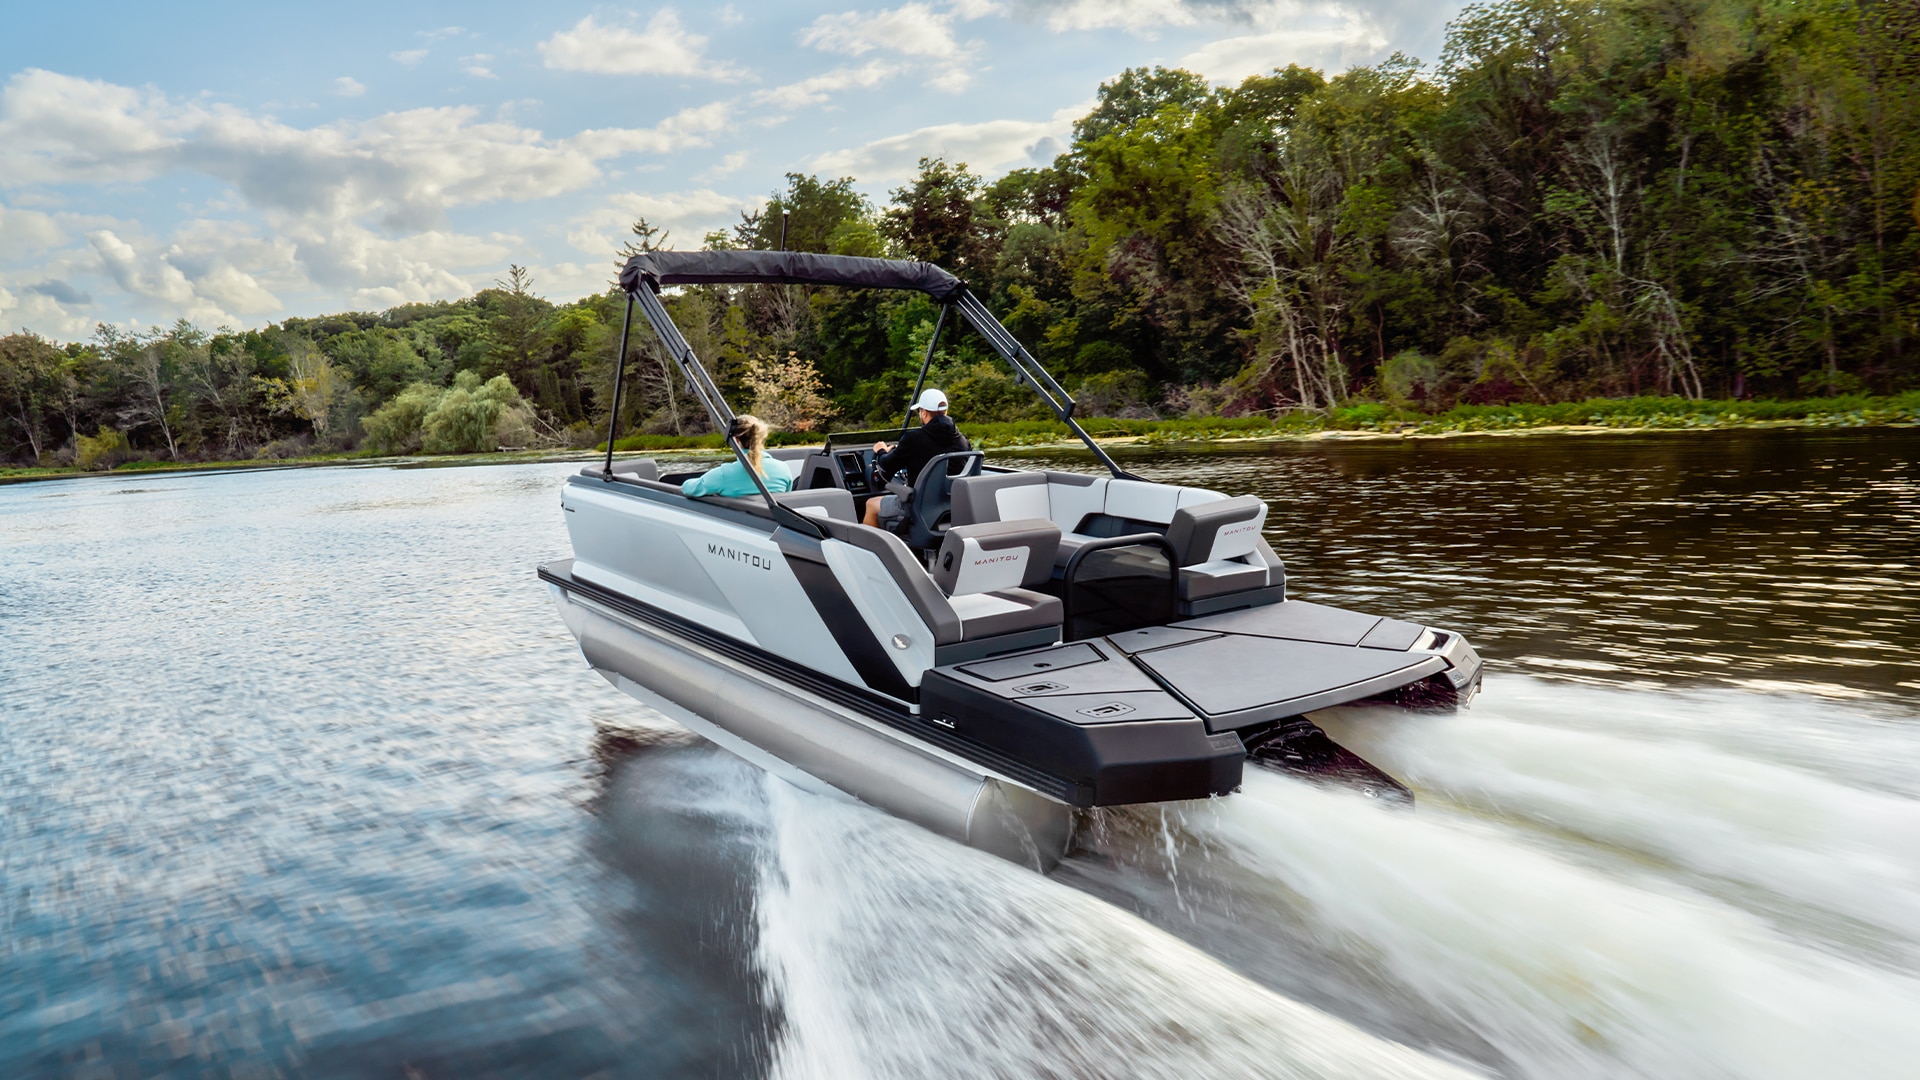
x=1192 y=496
x=752 y=572
x=639 y=555
x=885 y=608
x=731 y=580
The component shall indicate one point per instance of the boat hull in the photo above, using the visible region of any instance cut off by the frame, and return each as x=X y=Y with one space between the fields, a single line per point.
x=811 y=740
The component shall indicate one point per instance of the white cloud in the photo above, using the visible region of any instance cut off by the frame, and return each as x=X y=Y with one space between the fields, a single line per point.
x=912 y=29
x=686 y=215
x=1232 y=59
x=1134 y=16
x=817 y=88
x=403 y=169
x=352 y=212
x=41 y=313
x=476 y=65
x=663 y=47
x=688 y=127
x=969 y=10
x=409 y=57
x=348 y=86
x=25 y=231
x=990 y=148
x=726 y=166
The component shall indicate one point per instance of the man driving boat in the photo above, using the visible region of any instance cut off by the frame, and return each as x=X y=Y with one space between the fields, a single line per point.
x=936 y=435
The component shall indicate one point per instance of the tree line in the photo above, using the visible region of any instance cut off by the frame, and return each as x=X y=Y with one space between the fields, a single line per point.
x=1698 y=198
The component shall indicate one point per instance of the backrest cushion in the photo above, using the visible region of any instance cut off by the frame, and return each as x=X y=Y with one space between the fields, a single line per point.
x=976 y=499
x=996 y=555
x=1142 y=501
x=1072 y=496
x=1217 y=529
x=819 y=502
x=639 y=468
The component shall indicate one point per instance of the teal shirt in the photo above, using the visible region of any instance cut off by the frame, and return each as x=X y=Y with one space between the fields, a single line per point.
x=732 y=479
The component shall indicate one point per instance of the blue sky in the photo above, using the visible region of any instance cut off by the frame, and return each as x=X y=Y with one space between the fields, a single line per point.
x=236 y=164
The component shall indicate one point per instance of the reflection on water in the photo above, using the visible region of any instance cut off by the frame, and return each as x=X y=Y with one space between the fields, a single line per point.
x=300 y=774
x=1768 y=560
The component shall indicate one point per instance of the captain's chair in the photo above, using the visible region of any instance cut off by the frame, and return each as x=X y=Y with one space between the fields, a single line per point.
x=985 y=570
x=929 y=505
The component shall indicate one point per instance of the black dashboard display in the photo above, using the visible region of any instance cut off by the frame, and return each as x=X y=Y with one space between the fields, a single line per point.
x=853 y=467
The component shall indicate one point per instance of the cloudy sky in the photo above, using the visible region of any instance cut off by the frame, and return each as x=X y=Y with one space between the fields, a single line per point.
x=237 y=163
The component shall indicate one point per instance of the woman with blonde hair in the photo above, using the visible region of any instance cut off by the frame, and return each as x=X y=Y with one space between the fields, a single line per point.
x=730 y=478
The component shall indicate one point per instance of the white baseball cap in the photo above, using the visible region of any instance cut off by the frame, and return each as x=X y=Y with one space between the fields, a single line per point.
x=932 y=400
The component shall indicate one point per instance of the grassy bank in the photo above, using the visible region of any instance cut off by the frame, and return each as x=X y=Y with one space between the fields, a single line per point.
x=1373 y=419
x=1365 y=420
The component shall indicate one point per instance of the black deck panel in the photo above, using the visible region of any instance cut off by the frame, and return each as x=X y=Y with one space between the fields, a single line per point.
x=1296 y=620
x=1238 y=680
x=1074 y=669
x=1154 y=637
x=1393 y=634
x=1040 y=662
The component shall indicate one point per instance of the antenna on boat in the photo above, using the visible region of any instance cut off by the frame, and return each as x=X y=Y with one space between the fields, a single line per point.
x=783 y=229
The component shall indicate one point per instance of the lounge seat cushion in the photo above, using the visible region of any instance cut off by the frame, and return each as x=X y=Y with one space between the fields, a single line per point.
x=1005 y=611
x=1220 y=578
x=1073 y=500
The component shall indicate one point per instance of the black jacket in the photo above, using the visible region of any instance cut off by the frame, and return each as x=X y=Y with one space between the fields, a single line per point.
x=921 y=445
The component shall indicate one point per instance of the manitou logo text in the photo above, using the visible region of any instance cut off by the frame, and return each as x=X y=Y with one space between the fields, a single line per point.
x=747 y=558
x=984 y=560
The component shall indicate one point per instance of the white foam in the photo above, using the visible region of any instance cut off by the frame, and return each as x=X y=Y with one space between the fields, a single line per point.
x=894 y=953
x=1788 y=830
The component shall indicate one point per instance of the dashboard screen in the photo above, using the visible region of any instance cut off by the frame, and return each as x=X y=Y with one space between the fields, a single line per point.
x=854 y=468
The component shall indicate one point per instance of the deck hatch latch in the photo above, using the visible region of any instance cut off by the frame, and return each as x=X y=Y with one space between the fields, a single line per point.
x=1038 y=688
x=1101 y=712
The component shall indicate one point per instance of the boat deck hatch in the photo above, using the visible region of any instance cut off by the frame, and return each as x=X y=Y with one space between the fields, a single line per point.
x=1239 y=680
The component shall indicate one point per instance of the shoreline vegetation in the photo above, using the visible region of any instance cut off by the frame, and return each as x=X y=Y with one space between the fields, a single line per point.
x=1583 y=215
x=1605 y=416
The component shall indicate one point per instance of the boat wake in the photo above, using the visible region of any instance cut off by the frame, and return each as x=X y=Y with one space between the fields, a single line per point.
x=1597 y=883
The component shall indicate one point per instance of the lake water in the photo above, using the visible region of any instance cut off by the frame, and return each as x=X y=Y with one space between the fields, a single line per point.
x=300 y=774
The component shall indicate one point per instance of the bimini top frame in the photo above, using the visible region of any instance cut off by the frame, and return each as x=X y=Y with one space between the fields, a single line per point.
x=648 y=272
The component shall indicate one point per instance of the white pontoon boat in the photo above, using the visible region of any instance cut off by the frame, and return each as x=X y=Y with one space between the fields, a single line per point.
x=1035 y=642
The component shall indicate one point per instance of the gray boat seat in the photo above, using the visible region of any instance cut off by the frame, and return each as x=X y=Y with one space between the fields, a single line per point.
x=985 y=570
x=1218 y=547
x=819 y=502
x=643 y=468
x=1083 y=507
x=795 y=459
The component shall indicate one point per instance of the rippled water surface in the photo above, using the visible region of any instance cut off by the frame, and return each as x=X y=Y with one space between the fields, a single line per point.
x=300 y=774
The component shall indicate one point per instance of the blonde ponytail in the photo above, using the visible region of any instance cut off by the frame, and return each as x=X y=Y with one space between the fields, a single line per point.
x=751 y=433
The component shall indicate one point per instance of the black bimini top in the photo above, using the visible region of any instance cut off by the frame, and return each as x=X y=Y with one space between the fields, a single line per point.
x=658 y=268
